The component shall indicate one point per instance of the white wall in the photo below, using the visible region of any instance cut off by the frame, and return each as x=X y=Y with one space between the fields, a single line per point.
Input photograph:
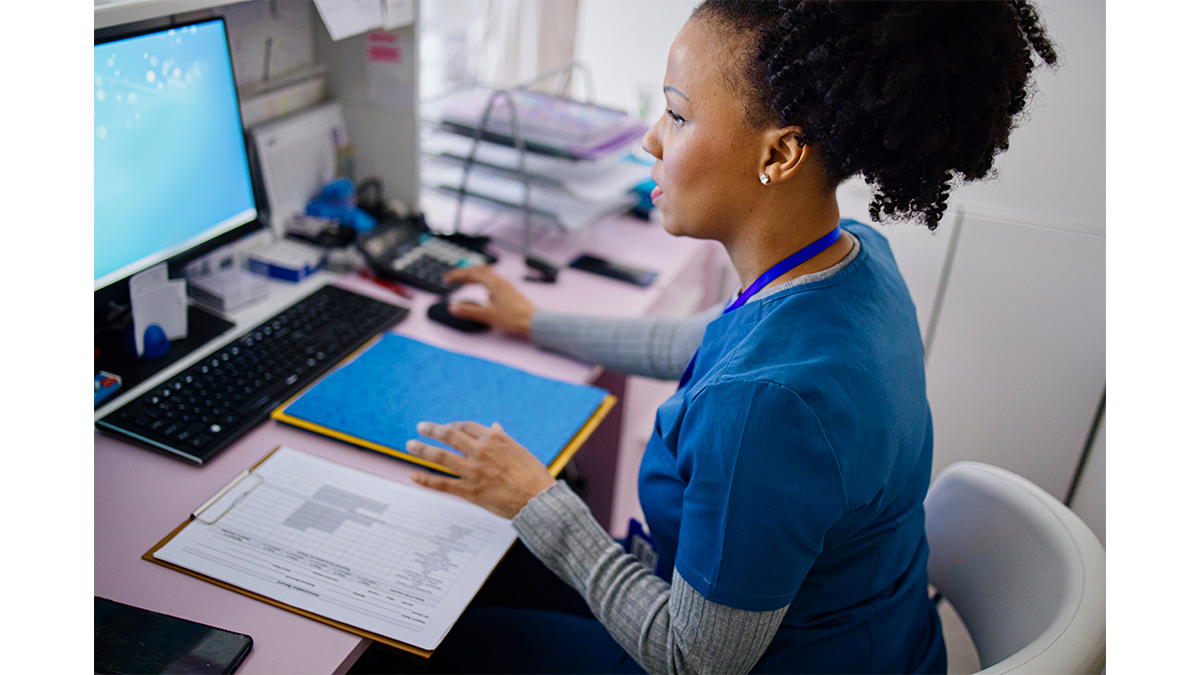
x=625 y=43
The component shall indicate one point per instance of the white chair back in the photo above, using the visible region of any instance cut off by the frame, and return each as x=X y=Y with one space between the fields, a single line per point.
x=1022 y=570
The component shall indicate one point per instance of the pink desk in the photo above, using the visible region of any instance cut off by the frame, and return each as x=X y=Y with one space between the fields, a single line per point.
x=140 y=496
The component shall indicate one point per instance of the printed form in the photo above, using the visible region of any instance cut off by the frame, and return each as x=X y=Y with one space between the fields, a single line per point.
x=389 y=558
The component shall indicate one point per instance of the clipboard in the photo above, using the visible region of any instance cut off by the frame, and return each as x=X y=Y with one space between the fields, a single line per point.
x=221 y=503
x=554 y=464
x=229 y=490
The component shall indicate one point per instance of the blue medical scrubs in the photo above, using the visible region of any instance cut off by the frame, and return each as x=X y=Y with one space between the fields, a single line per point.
x=791 y=468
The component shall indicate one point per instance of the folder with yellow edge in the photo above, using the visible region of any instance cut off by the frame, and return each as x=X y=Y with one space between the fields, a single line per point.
x=376 y=399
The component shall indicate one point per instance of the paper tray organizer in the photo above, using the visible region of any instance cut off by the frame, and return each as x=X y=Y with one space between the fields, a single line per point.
x=554 y=125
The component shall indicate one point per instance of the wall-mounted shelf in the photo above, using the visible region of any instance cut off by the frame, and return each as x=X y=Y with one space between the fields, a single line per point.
x=131 y=11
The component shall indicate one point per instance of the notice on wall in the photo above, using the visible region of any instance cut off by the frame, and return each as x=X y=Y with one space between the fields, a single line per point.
x=389 y=75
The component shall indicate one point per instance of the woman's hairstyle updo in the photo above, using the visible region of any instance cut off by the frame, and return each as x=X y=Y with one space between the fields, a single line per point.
x=912 y=95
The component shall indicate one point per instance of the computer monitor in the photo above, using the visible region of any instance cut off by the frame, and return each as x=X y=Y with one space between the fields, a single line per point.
x=172 y=180
x=171 y=172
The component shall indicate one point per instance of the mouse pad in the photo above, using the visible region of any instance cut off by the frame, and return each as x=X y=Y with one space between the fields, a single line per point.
x=381 y=395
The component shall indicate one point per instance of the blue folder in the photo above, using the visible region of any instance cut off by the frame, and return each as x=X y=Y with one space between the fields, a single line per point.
x=376 y=399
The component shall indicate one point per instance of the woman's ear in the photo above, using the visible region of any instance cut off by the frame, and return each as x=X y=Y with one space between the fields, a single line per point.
x=785 y=154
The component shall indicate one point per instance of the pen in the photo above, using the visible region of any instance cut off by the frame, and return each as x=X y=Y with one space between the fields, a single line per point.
x=393 y=286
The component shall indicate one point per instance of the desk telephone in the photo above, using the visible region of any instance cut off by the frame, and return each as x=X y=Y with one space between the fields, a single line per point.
x=405 y=250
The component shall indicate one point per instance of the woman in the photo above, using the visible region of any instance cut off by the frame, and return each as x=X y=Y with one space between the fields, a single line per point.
x=784 y=480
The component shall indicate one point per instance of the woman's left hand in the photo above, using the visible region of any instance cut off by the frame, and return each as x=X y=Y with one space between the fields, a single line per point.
x=495 y=471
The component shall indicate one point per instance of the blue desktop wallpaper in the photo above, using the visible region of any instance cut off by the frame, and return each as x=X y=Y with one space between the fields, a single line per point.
x=170 y=159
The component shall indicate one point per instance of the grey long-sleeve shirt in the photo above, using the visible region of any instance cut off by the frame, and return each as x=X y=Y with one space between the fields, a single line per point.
x=651 y=347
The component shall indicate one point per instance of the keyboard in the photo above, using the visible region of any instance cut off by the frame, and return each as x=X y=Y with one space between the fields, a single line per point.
x=198 y=412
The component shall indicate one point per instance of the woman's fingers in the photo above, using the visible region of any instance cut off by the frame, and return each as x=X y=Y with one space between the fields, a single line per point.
x=495 y=471
x=445 y=484
x=452 y=461
x=476 y=274
x=473 y=311
x=447 y=434
x=473 y=429
x=507 y=309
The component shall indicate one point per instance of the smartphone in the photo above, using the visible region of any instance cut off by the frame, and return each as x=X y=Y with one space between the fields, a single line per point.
x=598 y=265
x=133 y=640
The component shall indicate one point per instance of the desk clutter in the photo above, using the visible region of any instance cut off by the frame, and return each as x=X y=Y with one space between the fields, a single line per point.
x=295 y=156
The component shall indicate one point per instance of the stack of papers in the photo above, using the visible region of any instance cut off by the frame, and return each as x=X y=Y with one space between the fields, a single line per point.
x=548 y=124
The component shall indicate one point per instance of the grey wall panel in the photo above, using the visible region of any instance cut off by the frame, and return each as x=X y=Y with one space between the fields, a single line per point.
x=1016 y=365
x=379 y=103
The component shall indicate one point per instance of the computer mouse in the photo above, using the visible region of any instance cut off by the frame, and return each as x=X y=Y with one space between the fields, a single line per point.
x=440 y=312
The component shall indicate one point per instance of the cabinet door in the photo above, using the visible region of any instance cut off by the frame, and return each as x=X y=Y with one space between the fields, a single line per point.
x=1015 y=361
x=1090 y=501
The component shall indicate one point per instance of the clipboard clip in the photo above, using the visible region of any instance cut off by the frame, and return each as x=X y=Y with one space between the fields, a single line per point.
x=228 y=497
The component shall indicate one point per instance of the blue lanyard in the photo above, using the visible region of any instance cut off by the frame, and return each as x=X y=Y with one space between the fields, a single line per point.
x=779 y=269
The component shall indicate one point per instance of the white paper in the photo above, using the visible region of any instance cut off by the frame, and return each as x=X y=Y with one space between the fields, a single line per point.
x=397 y=13
x=175 y=325
x=344 y=18
x=155 y=299
x=388 y=558
x=149 y=278
x=290 y=254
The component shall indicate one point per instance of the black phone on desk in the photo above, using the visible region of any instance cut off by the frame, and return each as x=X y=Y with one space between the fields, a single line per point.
x=405 y=250
x=607 y=268
x=132 y=640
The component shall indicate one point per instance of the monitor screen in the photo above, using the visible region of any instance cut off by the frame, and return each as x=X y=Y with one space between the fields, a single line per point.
x=171 y=169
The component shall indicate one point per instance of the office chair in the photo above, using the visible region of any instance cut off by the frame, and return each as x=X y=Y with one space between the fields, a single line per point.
x=1021 y=569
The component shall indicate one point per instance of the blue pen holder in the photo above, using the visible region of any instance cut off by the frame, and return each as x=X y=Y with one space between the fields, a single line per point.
x=154 y=340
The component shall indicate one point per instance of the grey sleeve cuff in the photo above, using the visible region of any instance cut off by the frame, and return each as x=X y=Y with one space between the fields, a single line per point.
x=653 y=347
x=667 y=628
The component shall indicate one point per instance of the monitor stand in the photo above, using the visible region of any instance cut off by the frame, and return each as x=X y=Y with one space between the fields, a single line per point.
x=203 y=326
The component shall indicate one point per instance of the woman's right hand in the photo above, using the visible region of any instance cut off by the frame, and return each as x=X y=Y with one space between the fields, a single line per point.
x=507 y=310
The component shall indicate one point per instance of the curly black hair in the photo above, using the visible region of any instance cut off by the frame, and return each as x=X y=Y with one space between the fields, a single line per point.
x=912 y=95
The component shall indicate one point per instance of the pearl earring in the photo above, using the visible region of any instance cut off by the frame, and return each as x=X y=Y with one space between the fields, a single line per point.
x=762 y=178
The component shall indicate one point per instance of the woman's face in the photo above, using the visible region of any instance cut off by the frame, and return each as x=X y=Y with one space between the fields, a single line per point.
x=707 y=153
